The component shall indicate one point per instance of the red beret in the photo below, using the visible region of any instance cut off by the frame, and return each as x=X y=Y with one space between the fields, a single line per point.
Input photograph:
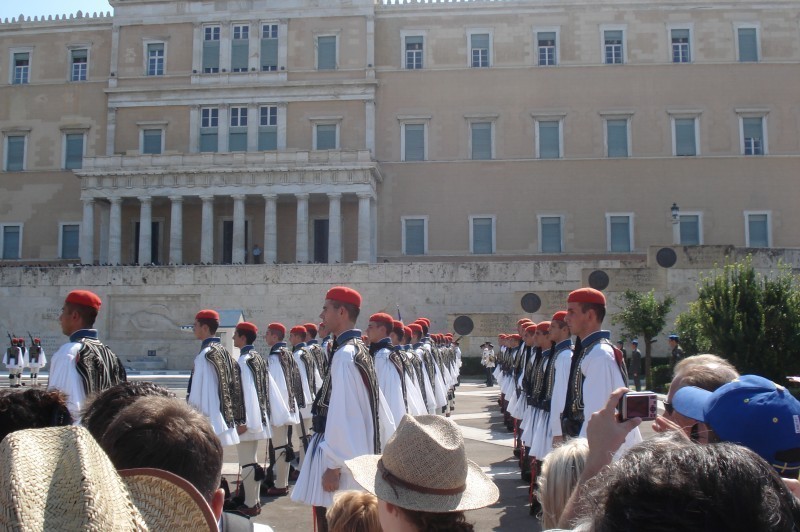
x=524 y=320
x=397 y=323
x=543 y=326
x=515 y=337
x=344 y=294
x=247 y=326
x=415 y=328
x=382 y=317
x=561 y=315
x=531 y=328
x=311 y=328
x=279 y=327
x=36 y=340
x=587 y=295
x=448 y=335
x=406 y=331
x=84 y=298
x=502 y=336
x=298 y=329
x=207 y=314
x=426 y=321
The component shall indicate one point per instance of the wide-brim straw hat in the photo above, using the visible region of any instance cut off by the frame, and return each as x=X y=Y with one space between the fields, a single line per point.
x=424 y=467
x=60 y=479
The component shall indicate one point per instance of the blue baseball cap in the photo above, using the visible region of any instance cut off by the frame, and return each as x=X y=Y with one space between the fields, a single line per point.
x=635 y=341
x=753 y=412
x=674 y=337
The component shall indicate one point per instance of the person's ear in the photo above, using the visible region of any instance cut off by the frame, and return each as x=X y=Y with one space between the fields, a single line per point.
x=217 y=502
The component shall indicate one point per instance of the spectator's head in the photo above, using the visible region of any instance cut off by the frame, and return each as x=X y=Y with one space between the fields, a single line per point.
x=105 y=406
x=423 y=479
x=354 y=511
x=586 y=310
x=166 y=433
x=708 y=372
x=751 y=411
x=32 y=409
x=560 y=472
x=79 y=311
x=668 y=483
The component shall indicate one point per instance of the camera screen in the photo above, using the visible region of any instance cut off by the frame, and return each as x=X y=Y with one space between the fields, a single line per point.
x=638 y=406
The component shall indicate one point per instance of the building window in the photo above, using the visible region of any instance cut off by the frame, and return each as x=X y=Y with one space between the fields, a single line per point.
x=690 y=230
x=620 y=232
x=747 y=44
x=415 y=235
x=414 y=47
x=237 y=134
x=481 y=140
x=15 y=152
x=73 y=151
x=326 y=52
x=413 y=142
x=617 y=137
x=481 y=235
x=613 y=47
x=326 y=136
x=209 y=129
x=684 y=133
x=79 y=64
x=753 y=138
x=269 y=47
x=153 y=141
x=548 y=139
x=69 y=241
x=757 y=230
x=479 y=46
x=546 y=48
x=211 y=49
x=155 y=59
x=550 y=238
x=681 y=49
x=240 y=48
x=22 y=68
x=268 y=128
x=12 y=241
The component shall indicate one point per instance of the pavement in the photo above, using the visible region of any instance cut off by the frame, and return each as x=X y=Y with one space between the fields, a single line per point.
x=487 y=441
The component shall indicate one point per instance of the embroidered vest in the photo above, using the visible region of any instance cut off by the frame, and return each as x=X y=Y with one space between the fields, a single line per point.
x=309 y=362
x=229 y=378
x=260 y=370
x=291 y=373
x=12 y=355
x=98 y=367
x=34 y=352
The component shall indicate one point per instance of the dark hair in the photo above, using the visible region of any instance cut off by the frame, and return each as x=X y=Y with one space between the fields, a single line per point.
x=352 y=310
x=88 y=314
x=599 y=310
x=211 y=323
x=278 y=333
x=32 y=409
x=387 y=327
x=105 y=406
x=667 y=483
x=302 y=335
x=250 y=336
x=166 y=433
x=424 y=328
x=438 y=522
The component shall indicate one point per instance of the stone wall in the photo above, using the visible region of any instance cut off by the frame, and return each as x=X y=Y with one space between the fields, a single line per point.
x=144 y=307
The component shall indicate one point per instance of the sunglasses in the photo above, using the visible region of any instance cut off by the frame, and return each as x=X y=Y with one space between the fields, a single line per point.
x=668 y=408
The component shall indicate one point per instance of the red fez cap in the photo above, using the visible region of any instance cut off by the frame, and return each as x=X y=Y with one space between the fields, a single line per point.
x=298 y=329
x=543 y=326
x=84 y=298
x=531 y=328
x=311 y=328
x=561 y=315
x=406 y=331
x=279 y=327
x=207 y=314
x=397 y=324
x=344 y=294
x=247 y=326
x=415 y=328
x=382 y=317
x=587 y=295
x=515 y=337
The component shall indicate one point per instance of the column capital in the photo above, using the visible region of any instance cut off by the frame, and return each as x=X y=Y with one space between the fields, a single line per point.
x=145 y=199
x=302 y=196
x=364 y=195
x=87 y=201
x=269 y=197
x=334 y=195
x=239 y=197
x=176 y=199
x=114 y=200
x=207 y=197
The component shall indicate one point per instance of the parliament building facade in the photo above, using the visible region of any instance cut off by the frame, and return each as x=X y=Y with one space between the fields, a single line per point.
x=195 y=132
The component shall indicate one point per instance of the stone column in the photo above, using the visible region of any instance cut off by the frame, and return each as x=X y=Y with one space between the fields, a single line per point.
x=87 y=232
x=334 y=227
x=115 y=232
x=270 y=229
x=207 y=231
x=301 y=250
x=145 y=229
x=364 y=231
x=238 y=243
x=176 y=230
x=105 y=221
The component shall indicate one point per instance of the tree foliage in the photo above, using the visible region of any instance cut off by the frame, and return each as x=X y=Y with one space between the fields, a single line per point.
x=643 y=315
x=751 y=319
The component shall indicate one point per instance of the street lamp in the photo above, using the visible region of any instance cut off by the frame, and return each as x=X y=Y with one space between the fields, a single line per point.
x=676 y=225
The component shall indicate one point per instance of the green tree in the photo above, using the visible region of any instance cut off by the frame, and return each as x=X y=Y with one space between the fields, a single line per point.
x=688 y=327
x=751 y=319
x=643 y=315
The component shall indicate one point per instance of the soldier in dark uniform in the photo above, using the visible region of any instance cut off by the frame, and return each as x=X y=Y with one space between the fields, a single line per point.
x=676 y=351
x=636 y=364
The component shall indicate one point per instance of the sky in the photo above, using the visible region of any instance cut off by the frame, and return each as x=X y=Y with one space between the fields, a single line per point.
x=10 y=8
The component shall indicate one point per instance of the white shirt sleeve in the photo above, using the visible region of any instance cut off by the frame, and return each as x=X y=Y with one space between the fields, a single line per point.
x=64 y=376
x=251 y=405
x=560 y=385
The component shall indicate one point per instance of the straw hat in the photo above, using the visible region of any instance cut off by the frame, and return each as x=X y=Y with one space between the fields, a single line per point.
x=60 y=479
x=424 y=467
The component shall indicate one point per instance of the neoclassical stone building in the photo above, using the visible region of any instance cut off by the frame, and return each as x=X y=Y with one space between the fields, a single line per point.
x=187 y=132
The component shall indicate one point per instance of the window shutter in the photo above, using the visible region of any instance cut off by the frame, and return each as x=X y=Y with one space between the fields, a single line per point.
x=152 y=141
x=15 y=158
x=413 y=39
x=415 y=236
x=551 y=234
x=759 y=234
x=209 y=140
x=74 y=151
x=237 y=139
x=546 y=38
x=617 y=135
x=210 y=56
x=482 y=235
x=268 y=138
x=480 y=40
x=684 y=137
x=690 y=229
x=548 y=140
x=326 y=137
x=753 y=128
x=748 y=45
x=481 y=140
x=70 y=235
x=326 y=53
x=415 y=142
x=11 y=242
x=269 y=54
x=240 y=51
x=620 y=233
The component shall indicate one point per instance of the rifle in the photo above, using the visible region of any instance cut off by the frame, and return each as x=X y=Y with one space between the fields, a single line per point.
x=305 y=436
x=10 y=338
x=31 y=337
